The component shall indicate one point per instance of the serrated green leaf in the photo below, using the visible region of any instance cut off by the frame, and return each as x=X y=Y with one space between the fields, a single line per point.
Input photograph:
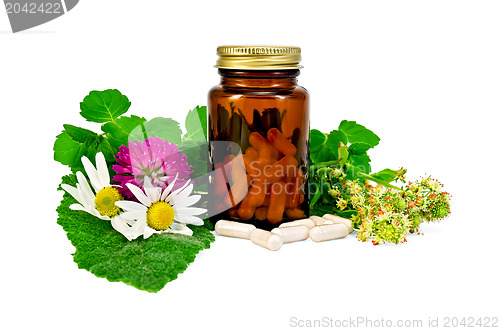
x=333 y=141
x=118 y=131
x=68 y=151
x=359 y=148
x=386 y=175
x=107 y=150
x=318 y=151
x=358 y=133
x=361 y=161
x=104 y=106
x=80 y=135
x=164 y=128
x=196 y=124
x=197 y=157
x=145 y=264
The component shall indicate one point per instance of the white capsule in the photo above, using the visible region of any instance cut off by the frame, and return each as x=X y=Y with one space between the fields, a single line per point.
x=320 y=220
x=291 y=234
x=340 y=220
x=266 y=239
x=234 y=229
x=305 y=221
x=328 y=232
x=317 y=220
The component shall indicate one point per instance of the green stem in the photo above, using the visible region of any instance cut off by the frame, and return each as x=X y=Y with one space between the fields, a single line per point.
x=378 y=181
x=331 y=209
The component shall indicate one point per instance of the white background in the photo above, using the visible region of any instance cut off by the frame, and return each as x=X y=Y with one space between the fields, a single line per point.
x=423 y=75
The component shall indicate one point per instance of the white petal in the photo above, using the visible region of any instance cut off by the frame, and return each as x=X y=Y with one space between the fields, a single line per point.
x=73 y=191
x=92 y=174
x=137 y=192
x=99 y=216
x=139 y=227
x=188 y=201
x=94 y=212
x=182 y=193
x=130 y=222
x=85 y=190
x=120 y=225
x=152 y=192
x=147 y=182
x=133 y=215
x=148 y=232
x=131 y=206
x=102 y=169
x=188 y=219
x=77 y=206
x=168 y=189
x=88 y=210
x=174 y=193
x=180 y=228
x=190 y=211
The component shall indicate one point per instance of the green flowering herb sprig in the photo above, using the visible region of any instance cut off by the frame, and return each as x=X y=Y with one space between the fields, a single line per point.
x=381 y=211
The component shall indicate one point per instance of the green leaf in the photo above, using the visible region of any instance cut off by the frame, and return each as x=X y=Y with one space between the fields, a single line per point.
x=107 y=150
x=316 y=140
x=358 y=133
x=75 y=142
x=196 y=124
x=145 y=264
x=316 y=196
x=324 y=155
x=68 y=151
x=118 y=131
x=104 y=106
x=343 y=154
x=80 y=135
x=359 y=148
x=361 y=161
x=354 y=172
x=333 y=141
x=164 y=128
x=386 y=175
x=318 y=151
x=197 y=157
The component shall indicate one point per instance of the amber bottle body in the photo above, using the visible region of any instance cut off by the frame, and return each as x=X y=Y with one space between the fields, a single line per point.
x=259 y=139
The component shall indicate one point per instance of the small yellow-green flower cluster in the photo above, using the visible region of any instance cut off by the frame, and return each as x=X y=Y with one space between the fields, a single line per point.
x=389 y=214
x=381 y=215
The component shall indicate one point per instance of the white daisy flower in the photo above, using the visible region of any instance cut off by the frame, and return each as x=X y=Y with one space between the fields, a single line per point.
x=162 y=211
x=101 y=205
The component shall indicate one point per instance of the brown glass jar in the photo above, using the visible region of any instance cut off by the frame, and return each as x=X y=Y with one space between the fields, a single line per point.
x=259 y=137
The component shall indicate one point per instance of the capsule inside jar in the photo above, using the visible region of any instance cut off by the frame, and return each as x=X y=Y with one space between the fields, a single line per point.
x=260 y=108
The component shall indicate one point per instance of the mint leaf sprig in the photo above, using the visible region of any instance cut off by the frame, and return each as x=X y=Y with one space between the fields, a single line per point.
x=100 y=107
x=108 y=108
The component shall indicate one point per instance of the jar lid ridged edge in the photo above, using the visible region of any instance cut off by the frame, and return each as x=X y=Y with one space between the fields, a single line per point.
x=258 y=57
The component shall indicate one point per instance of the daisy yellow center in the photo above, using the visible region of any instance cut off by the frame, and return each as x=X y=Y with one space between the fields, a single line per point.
x=160 y=215
x=105 y=201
